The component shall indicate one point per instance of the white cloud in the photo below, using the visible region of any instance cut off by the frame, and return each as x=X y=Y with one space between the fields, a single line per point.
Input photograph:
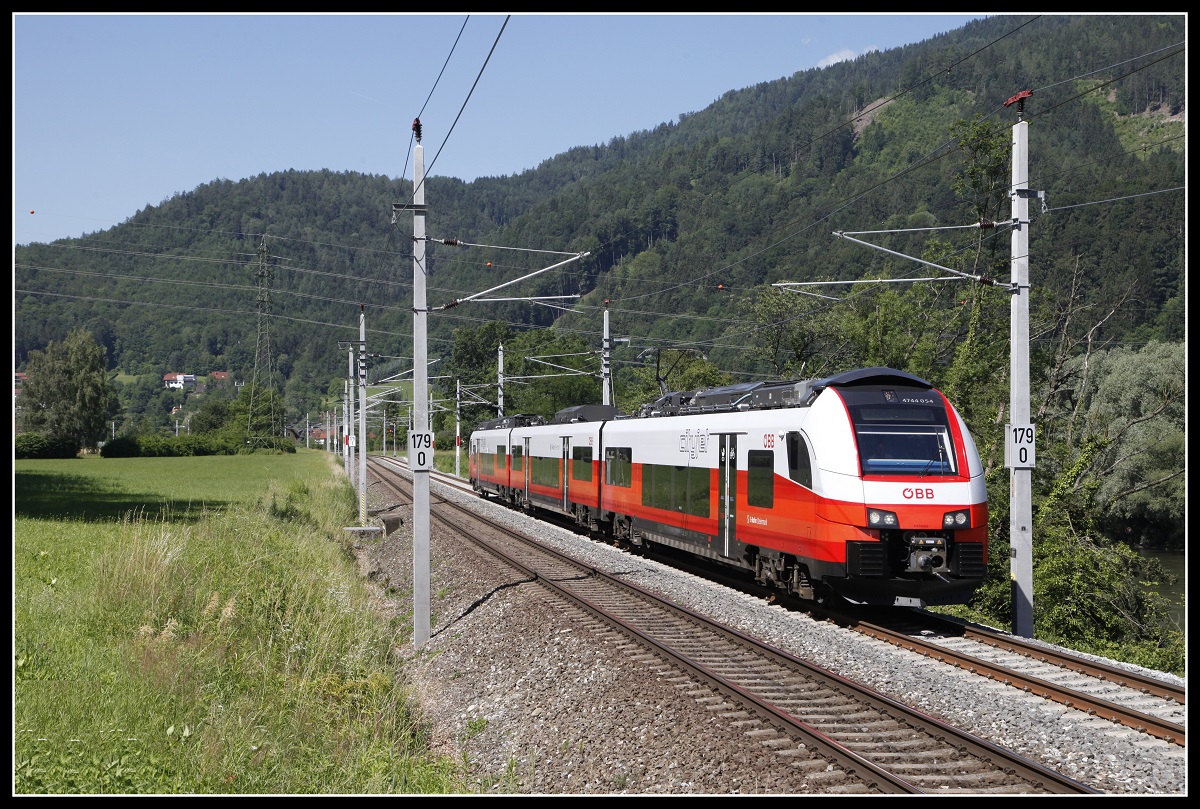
x=844 y=55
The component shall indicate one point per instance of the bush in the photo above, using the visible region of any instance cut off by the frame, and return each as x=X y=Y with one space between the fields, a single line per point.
x=200 y=445
x=179 y=446
x=44 y=446
x=184 y=446
x=271 y=445
x=159 y=446
x=155 y=446
x=123 y=447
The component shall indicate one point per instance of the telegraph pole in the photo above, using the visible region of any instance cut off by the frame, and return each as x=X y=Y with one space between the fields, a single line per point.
x=1019 y=438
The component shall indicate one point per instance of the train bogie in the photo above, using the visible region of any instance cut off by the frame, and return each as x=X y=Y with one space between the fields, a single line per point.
x=866 y=485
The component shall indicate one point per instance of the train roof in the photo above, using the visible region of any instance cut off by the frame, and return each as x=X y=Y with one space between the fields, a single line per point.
x=874 y=376
x=773 y=394
x=742 y=396
x=508 y=422
x=571 y=415
x=726 y=398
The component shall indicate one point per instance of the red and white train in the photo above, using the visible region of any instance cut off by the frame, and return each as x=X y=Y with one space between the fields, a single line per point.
x=865 y=485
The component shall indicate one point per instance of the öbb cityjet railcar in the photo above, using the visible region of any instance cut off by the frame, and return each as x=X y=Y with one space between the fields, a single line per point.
x=866 y=484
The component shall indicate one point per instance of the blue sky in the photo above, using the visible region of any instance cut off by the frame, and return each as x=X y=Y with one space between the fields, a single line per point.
x=115 y=112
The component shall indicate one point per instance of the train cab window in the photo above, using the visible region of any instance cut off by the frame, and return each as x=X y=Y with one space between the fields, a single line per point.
x=581 y=463
x=760 y=478
x=618 y=466
x=906 y=451
x=518 y=459
x=907 y=433
x=799 y=465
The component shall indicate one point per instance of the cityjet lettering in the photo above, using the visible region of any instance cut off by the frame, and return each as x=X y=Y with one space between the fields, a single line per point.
x=693 y=442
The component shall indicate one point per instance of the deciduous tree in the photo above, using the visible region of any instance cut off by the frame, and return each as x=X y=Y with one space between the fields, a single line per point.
x=67 y=393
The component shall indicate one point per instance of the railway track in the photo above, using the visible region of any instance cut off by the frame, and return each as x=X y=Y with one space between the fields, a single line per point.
x=1128 y=699
x=836 y=727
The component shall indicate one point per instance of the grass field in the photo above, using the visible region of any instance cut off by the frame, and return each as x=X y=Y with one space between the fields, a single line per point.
x=94 y=488
x=197 y=625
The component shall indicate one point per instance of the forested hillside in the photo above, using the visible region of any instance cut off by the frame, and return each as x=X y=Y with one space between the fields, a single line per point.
x=682 y=234
x=685 y=225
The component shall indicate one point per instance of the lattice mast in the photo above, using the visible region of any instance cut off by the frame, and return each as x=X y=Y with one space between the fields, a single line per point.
x=264 y=402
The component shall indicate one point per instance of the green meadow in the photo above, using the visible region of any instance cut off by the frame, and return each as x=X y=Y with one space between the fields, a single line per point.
x=198 y=625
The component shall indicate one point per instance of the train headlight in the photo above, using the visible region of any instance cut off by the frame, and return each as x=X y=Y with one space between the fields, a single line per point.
x=957 y=519
x=878 y=518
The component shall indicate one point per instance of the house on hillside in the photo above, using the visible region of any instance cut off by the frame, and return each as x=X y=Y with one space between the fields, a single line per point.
x=179 y=381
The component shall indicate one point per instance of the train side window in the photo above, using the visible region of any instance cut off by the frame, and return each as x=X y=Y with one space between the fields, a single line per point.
x=760 y=478
x=545 y=471
x=799 y=466
x=518 y=458
x=656 y=486
x=699 y=491
x=581 y=463
x=500 y=459
x=618 y=466
x=487 y=463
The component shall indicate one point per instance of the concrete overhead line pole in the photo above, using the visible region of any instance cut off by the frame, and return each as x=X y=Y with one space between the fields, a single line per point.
x=605 y=366
x=1019 y=438
x=348 y=420
x=420 y=439
x=606 y=359
x=362 y=415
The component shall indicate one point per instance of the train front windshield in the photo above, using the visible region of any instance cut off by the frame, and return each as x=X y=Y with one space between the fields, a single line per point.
x=901 y=433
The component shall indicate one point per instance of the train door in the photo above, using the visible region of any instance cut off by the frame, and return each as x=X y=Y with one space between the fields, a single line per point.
x=528 y=466
x=566 y=470
x=727 y=492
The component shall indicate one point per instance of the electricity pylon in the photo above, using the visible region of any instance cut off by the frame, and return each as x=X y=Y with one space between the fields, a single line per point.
x=263 y=409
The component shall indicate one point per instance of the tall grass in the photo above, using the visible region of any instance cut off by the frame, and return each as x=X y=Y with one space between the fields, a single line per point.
x=232 y=652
